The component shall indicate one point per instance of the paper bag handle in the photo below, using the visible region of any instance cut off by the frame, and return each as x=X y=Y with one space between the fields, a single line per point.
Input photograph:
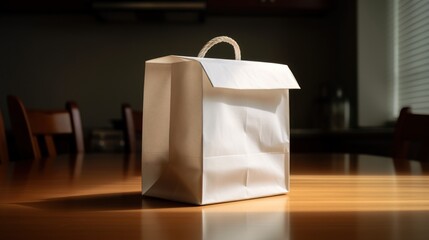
x=220 y=39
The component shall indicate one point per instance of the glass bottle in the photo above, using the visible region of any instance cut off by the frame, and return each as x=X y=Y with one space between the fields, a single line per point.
x=340 y=111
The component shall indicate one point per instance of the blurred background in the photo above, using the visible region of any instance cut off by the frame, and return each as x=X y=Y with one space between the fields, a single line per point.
x=93 y=52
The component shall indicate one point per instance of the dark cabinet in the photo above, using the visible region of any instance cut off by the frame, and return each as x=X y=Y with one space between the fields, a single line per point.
x=232 y=7
x=376 y=141
x=31 y=6
x=265 y=7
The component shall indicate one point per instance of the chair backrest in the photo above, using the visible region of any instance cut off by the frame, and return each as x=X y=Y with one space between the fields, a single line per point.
x=4 y=154
x=132 y=120
x=34 y=130
x=411 y=129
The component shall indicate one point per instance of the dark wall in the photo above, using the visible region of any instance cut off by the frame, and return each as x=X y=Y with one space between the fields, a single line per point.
x=48 y=59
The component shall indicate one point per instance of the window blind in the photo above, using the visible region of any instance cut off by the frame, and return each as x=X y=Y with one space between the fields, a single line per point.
x=412 y=54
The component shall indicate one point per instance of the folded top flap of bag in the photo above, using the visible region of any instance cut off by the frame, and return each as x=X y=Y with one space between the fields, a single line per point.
x=235 y=74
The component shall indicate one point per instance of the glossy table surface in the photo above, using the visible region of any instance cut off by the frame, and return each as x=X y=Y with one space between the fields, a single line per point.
x=333 y=196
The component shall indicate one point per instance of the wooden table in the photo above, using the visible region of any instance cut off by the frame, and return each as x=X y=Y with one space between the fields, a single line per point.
x=333 y=196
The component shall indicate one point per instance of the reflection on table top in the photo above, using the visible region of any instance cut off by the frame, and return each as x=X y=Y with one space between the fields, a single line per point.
x=98 y=196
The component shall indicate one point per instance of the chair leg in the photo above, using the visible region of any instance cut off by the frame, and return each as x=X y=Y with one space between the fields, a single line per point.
x=424 y=152
x=36 y=148
x=50 y=146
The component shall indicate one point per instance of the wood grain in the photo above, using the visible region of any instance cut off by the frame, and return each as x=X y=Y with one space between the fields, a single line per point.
x=98 y=196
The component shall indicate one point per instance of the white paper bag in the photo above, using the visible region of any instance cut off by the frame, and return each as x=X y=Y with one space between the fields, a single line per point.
x=215 y=130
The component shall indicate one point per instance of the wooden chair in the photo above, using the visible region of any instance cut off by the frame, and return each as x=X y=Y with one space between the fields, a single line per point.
x=4 y=153
x=411 y=130
x=133 y=125
x=34 y=130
